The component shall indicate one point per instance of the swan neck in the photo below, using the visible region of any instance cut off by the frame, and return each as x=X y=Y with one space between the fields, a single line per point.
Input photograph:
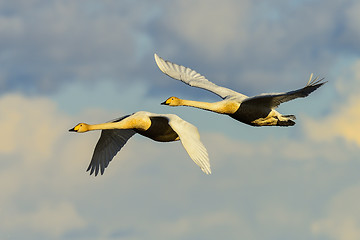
x=223 y=107
x=132 y=122
x=101 y=126
x=197 y=104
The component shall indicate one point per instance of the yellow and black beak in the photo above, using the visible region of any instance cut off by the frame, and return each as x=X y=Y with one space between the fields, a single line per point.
x=72 y=130
x=163 y=103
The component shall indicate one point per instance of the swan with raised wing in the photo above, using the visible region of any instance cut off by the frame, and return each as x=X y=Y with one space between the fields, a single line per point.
x=158 y=127
x=255 y=111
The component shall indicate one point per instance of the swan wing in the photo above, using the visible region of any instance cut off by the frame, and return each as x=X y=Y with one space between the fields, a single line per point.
x=273 y=100
x=109 y=144
x=190 y=139
x=192 y=78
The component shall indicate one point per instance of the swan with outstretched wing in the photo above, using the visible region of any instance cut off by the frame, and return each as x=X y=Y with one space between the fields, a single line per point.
x=158 y=127
x=255 y=111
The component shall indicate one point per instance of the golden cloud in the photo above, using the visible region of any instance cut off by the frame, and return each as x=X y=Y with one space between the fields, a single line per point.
x=342 y=123
x=29 y=126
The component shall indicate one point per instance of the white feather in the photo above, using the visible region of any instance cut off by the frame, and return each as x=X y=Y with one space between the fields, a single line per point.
x=192 y=78
x=190 y=139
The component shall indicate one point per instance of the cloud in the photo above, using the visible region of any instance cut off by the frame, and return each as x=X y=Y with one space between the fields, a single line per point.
x=341 y=124
x=267 y=183
x=351 y=35
x=19 y=115
x=48 y=46
x=158 y=192
x=342 y=217
x=240 y=44
x=209 y=26
x=50 y=220
x=223 y=221
x=32 y=133
x=347 y=83
x=256 y=47
x=342 y=121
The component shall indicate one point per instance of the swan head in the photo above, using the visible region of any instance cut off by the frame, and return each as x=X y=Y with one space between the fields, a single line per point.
x=81 y=127
x=172 y=101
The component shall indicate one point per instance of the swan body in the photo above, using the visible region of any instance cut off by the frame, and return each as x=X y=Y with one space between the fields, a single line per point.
x=255 y=111
x=158 y=127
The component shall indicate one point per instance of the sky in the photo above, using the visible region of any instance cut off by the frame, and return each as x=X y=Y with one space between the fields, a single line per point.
x=65 y=62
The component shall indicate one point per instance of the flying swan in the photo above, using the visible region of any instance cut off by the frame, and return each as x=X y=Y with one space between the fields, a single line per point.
x=255 y=111
x=158 y=127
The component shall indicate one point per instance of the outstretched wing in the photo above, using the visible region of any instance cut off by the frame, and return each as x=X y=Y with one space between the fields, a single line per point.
x=190 y=139
x=109 y=144
x=273 y=100
x=192 y=78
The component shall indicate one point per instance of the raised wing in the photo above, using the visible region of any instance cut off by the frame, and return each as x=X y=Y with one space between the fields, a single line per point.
x=190 y=139
x=273 y=100
x=192 y=78
x=109 y=144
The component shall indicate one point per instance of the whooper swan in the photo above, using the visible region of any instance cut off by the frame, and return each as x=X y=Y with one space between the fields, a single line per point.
x=255 y=111
x=159 y=127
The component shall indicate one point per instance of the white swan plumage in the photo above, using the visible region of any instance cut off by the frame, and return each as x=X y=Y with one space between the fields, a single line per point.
x=159 y=127
x=256 y=111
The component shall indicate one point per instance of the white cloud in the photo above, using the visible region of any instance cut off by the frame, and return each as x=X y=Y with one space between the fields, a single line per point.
x=33 y=130
x=19 y=116
x=265 y=184
x=279 y=216
x=211 y=26
x=264 y=180
x=228 y=224
x=10 y=26
x=342 y=121
x=50 y=43
x=347 y=84
x=47 y=44
x=52 y=220
x=352 y=36
x=342 y=217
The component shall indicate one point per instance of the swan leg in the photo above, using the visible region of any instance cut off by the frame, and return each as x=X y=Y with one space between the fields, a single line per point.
x=275 y=119
x=272 y=121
